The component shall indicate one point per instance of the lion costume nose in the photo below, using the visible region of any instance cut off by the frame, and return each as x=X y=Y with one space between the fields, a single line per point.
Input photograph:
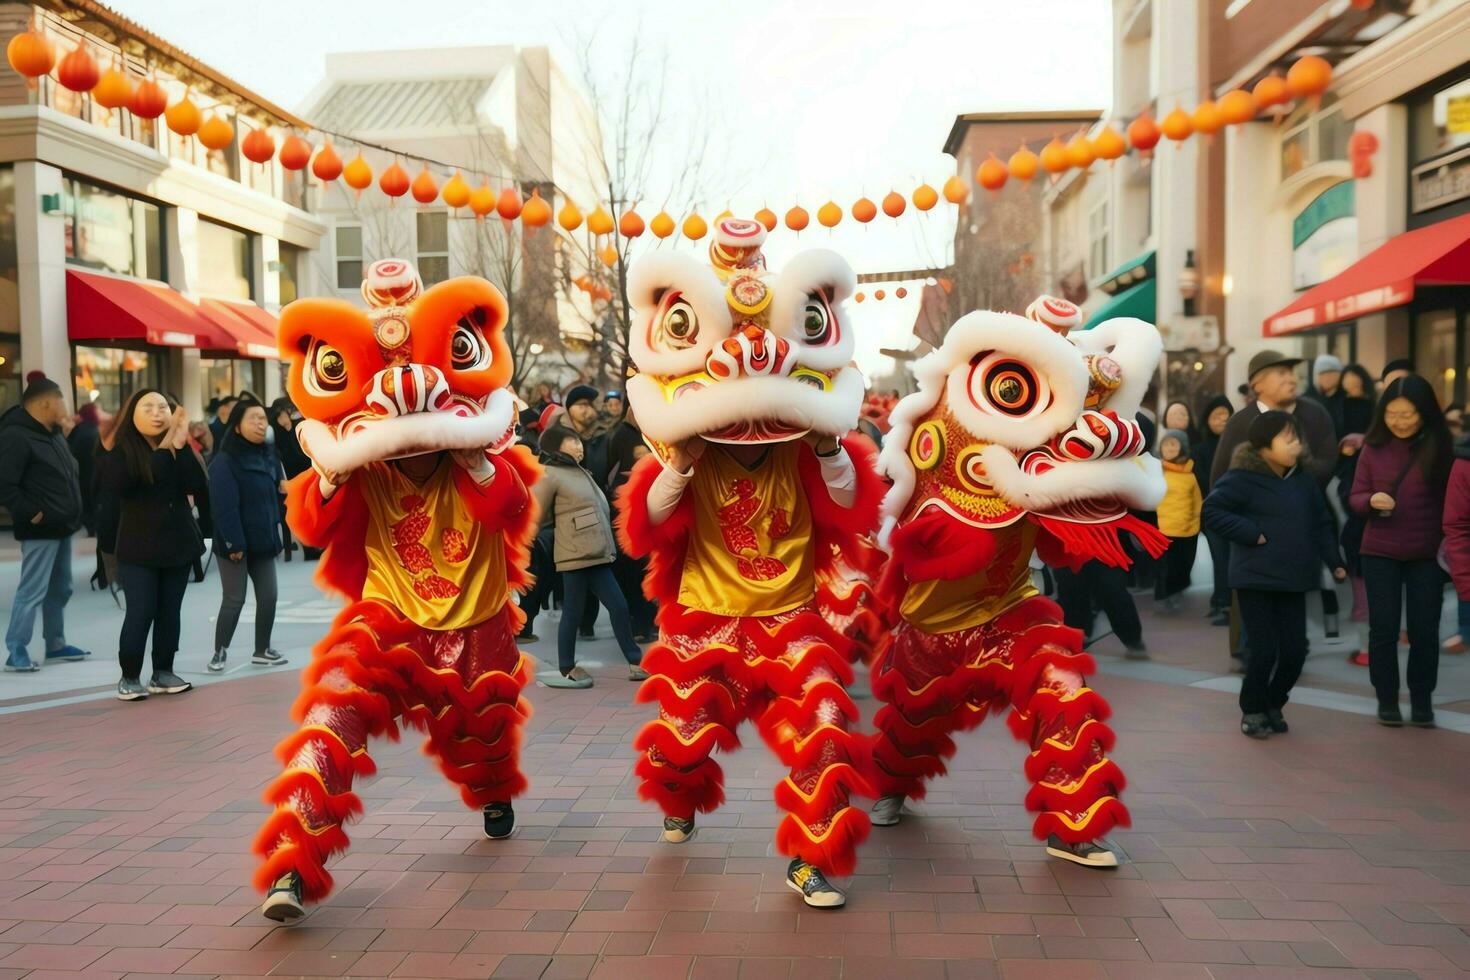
x=750 y=351
x=406 y=389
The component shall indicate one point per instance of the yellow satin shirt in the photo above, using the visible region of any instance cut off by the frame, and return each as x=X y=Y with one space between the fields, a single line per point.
x=426 y=556
x=947 y=605
x=750 y=552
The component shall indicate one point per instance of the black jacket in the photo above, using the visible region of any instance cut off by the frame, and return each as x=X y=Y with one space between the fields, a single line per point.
x=288 y=449
x=38 y=475
x=244 y=501
x=1249 y=501
x=156 y=526
x=1318 y=435
x=1334 y=405
x=1203 y=452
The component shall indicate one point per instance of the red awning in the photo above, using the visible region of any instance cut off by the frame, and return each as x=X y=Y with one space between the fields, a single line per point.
x=106 y=308
x=1437 y=255
x=254 y=329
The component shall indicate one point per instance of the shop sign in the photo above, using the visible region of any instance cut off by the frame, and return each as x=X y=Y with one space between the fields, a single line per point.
x=1457 y=114
x=1324 y=237
x=1441 y=181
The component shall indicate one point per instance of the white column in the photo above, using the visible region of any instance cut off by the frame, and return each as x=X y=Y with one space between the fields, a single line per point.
x=40 y=247
x=1175 y=42
x=1383 y=211
x=268 y=294
x=182 y=369
x=1251 y=168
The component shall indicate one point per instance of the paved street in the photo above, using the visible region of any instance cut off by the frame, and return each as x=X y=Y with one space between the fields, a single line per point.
x=1341 y=849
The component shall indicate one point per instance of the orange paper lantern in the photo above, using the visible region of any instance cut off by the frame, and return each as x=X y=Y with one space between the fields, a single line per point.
x=78 y=71
x=295 y=153
x=328 y=165
x=797 y=218
x=1144 y=134
x=1080 y=152
x=456 y=192
x=509 y=204
x=1236 y=107
x=258 y=146
x=183 y=117
x=482 y=201
x=878 y=294
x=536 y=212
x=1206 y=118
x=829 y=214
x=894 y=204
x=609 y=255
x=858 y=297
x=215 y=133
x=956 y=191
x=599 y=222
x=662 y=225
x=1308 y=78
x=864 y=210
x=1269 y=93
x=394 y=181
x=357 y=174
x=900 y=292
x=1109 y=144
x=1177 y=125
x=569 y=217
x=630 y=224
x=1054 y=159
x=425 y=189
x=925 y=197
x=767 y=218
x=992 y=174
x=149 y=99
x=695 y=227
x=114 y=89
x=31 y=53
x=1023 y=164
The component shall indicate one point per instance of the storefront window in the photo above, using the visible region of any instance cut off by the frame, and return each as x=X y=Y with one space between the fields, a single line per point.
x=1312 y=136
x=9 y=277
x=230 y=376
x=10 y=379
x=108 y=230
x=1440 y=122
x=433 y=246
x=1434 y=350
x=349 y=256
x=290 y=274
x=109 y=376
x=224 y=261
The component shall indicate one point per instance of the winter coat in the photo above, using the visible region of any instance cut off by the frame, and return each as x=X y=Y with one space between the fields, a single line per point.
x=288 y=448
x=156 y=526
x=1249 y=501
x=622 y=445
x=1317 y=433
x=1179 y=510
x=1457 y=519
x=1334 y=405
x=1415 y=528
x=569 y=496
x=38 y=476
x=244 y=499
x=1203 y=452
x=1353 y=525
x=83 y=442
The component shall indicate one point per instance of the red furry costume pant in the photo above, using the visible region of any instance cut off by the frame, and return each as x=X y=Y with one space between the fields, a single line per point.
x=934 y=684
x=373 y=670
x=786 y=673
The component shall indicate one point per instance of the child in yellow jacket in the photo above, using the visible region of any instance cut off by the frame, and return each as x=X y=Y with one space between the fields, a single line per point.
x=1178 y=517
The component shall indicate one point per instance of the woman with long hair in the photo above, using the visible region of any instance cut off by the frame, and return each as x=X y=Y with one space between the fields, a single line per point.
x=244 y=503
x=1358 y=400
x=151 y=471
x=293 y=461
x=1399 y=490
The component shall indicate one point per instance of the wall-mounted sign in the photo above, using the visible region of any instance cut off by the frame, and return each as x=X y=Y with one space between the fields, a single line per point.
x=1441 y=181
x=1324 y=237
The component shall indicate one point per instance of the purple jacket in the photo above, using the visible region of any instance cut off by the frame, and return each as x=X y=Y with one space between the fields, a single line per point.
x=1413 y=531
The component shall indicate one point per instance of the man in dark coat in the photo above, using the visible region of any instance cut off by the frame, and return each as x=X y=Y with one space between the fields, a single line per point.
x=1273 y=386
x=40 y=487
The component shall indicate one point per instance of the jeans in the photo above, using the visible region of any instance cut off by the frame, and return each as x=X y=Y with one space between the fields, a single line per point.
x=600 y=582
x=1389 y=581
x=154 y=596
x=45 y=584
x=1276 y=624
x=261 y=569
x=1076 y=592
x=1463 y=615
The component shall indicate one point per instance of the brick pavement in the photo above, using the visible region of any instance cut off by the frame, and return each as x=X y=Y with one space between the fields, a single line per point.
x=1341 y=849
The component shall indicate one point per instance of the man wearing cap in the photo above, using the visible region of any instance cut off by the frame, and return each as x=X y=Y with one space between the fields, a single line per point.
x=581 y=404
x=39 y=485
x=1326 y=389
x=1272 y=381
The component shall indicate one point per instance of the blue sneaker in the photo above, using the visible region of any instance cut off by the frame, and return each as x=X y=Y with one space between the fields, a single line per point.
x=19 y=662
x=68 y=654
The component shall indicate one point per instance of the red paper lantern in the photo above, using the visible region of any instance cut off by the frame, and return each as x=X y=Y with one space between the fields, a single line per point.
x=149 y=99
x=630 y=224
x=1144 y=134
x=78 y=71
x=258 y=146
x=425 y=188
x=295 y=153
x=328 y=165
x=509 y=204
x=394 y=181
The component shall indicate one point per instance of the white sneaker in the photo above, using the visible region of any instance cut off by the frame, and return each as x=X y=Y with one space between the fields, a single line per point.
x=1088 y=853
x=887 y=811
x=267 y=658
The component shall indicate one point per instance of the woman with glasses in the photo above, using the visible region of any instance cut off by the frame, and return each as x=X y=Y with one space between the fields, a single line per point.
x=1399 y=490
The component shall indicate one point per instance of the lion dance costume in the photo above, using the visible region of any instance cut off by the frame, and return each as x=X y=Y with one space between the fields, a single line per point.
x=1018 y=439
x=744 y=546
x=426 y=564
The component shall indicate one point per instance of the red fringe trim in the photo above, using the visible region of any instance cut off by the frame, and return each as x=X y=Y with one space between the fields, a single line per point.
x=835 y=853
x=660 y=734
x=706 y=694
x=1072 y=545
x=680 y=793
x=838 y=781
x=337 y=809
x=1109 y=814
x=343 y=760
x=1104 y=780
x=1071 y=758
x=286 y=845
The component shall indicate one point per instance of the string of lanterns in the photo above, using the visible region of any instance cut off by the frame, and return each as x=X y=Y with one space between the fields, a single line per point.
x=34 y=55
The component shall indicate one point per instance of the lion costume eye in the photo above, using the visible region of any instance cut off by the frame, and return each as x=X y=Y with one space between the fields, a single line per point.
x=468 y=350
x=327 y=371
x=675 y=325
x=1001 y=385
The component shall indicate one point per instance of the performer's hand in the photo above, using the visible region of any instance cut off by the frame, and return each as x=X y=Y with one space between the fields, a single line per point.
x=475 y=463
x=178 y=434
x=824 y=445
x=1381 y=501
x=683 y=455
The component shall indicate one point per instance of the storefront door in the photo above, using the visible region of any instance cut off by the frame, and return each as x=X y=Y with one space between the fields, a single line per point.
x=1439 y=343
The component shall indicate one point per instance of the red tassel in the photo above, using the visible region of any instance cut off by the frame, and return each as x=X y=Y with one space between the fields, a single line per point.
x=835 y=851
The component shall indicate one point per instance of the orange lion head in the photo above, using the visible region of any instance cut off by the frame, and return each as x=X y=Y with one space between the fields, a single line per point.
x=418 y=371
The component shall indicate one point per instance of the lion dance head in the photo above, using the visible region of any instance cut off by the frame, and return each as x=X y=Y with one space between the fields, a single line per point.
x=735 y=354
x=420 y=370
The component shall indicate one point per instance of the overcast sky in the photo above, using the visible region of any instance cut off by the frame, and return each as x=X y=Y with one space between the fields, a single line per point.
x=809 y=100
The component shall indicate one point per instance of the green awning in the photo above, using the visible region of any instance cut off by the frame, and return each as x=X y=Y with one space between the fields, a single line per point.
x=1128 y=274
x=1141 y=301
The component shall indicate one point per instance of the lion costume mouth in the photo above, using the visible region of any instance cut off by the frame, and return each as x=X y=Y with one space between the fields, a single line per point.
x=750 y=410
x=362 y=437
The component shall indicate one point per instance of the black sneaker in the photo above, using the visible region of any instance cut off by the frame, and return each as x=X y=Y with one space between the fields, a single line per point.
x=283 y=902
x=1277 y=721
x=1390 y=715
x=677 y=830
x=815 y=890
x=167 y=682
x=500 y=820
x=217 y=662
x=1255 y=726
x=267 y=658
x=1220 y=619
x=131 y=689
x=1135 y=651
x=1088 y=853
x=528 y=638
x=1421 y=716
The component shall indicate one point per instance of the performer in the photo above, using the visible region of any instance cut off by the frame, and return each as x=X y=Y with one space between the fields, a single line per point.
x=421 y=503
x=1016 y=440
x=745 y=382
